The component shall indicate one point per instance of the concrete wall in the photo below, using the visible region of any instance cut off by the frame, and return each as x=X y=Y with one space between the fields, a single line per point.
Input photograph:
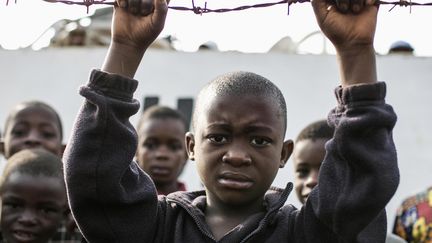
x=307 y=82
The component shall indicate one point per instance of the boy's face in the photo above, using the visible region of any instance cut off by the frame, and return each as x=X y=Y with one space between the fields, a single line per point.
x=308 y=155
x=161 y=149
x=32 y=208
x=238 y=145
x=33 y=127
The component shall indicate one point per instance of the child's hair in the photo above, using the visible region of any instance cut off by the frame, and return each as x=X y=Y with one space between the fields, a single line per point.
x=316 y=130
x=161 y=112
x=33 y=103
x=33 y=162
x=241 y=83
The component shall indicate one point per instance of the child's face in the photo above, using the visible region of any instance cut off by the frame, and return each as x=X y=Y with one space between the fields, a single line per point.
x=238 y=145
x=308 y=155
x=32 y=208
x=161 y=149
x=33 y=127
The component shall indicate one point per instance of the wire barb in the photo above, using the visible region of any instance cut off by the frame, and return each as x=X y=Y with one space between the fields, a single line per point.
x=199 y=10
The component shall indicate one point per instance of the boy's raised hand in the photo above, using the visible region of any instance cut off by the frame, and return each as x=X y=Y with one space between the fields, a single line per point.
x=350 y=25
x=347 y=23
x=136 y=24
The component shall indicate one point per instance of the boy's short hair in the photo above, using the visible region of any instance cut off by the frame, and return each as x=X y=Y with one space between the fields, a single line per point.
x=316 y=130
x=161 y=112
x=34 y=103
x=34 y=162
x=242 y=83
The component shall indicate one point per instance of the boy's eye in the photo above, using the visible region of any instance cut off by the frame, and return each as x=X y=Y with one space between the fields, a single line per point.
x=218 y=139
x=10 y=205
x=49 y=210
x=175 y=146
x=48 y=134
x=260 y=142
x=18 y=132
x=302 y=173
x=150 y=145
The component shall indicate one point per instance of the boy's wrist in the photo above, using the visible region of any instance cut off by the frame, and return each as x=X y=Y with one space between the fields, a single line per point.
x=128 y=46
x=123 y=59
x=357 y=65
x=355 y=50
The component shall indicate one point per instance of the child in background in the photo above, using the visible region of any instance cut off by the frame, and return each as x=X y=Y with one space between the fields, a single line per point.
x=238 y=145
x=35 y=124
x=309 y=152
x=33 y=197
x=161 y=151
x=32 y=124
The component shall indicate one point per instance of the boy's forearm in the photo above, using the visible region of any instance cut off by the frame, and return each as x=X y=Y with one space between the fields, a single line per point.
x=123 y=59
x=357 y=66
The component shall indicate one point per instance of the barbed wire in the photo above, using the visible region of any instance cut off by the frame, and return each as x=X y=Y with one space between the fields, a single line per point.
x=201 y=10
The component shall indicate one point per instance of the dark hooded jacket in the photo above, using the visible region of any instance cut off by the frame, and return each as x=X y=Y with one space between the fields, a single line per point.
x=114 y=201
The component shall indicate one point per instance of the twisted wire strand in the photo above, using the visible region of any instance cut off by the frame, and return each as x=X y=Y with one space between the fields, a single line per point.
x=201 y=10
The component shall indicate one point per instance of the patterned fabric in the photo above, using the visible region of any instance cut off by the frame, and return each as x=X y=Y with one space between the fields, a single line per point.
x=414 y=218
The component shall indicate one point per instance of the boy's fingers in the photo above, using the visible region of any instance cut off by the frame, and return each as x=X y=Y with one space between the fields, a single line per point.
x=320 y=8
x=161 y=8
x=357 y=5
x=146 y=7
x=343 y=5
x=370 y=2
x=122 y=3
x=134 y=6
x=141 y=7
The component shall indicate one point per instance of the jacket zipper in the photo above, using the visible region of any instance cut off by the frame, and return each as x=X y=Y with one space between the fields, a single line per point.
x=263 y=223
x=195 y=218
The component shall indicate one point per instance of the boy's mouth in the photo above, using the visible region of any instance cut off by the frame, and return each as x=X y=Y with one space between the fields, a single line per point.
x=24 y=236
x=159 y=171
x=235 y=181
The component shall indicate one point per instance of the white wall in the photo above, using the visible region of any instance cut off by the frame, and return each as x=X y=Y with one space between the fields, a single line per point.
x=307 y=82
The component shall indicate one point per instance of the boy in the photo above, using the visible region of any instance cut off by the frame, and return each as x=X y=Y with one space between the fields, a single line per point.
x=161 y=151
x=35 y=124
x=33 y=197
x=309 y=152
x=32 y=124
x=238 y=145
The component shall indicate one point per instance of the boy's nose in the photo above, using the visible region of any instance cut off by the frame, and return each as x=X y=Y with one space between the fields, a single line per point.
x=33 y=138
x=237 y=156
x=28 y=217
x=312 y=180
x=162 y=152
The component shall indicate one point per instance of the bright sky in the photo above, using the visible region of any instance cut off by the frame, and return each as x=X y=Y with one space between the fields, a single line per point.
x=254 y=30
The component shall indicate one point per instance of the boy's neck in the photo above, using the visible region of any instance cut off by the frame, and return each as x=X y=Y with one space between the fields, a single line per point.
x=165 y=189
x=222 y=217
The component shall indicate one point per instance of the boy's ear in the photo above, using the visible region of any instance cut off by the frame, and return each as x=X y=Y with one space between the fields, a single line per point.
x=287 y=149
x=190 y=145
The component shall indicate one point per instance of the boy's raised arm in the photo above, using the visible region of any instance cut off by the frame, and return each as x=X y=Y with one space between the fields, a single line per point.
x=359 y=174
x=350 y=25
x=136 y=24
x=111 y=198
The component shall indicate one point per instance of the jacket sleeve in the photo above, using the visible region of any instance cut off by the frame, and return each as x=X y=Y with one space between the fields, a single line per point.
x=359 y=174
x=111 y=198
